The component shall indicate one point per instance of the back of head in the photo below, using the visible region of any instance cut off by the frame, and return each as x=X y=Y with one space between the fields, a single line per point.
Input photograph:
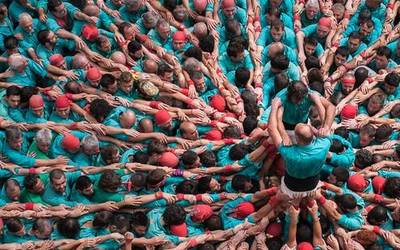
x=304 y=134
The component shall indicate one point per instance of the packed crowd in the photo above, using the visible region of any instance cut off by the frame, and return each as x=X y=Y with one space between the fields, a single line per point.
x=200 y=124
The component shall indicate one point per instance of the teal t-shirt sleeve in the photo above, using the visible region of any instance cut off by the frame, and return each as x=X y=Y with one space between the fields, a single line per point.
x=71 y=8
x=351 y=222
x=262 y=39
x=105 y=19
x=388 y=174
x=248 y=62
x=309 y=30
x=52 y=25
x=319 y=50
x=20 y=159
x=37 y=69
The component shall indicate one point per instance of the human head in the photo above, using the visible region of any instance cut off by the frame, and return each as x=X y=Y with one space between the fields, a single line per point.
x=304 y=134
x=17 y=62
x=58 y=180
x=47 y=38
x=99 y=109
x=90 y=32
x=324 y=27
x=90 y=145
x=348 y=82
x=156 y=178
x=189 y=131
x=375 y=103
x=338 y=11
x=296 y=92
x=119 y=224
x=26 y=23
x=70 y=143
x=57 y=8
x=383 y=133
x=14 y=138
x=392 y=187
x=15 y=226
x=13 y=96
x=378 y=215
x=80 y=61
x=311 y=9
x=42 y=228
x=69 y=228
x=341 y=55
x=110 y=154
x=235 y=51
x=62 y=106
x=13 y=189
x=382 y=57
x=310 y=44
x=228 y=8
x=339 y=176
x=133 y=5
x=206 y=184
x=279 y=63
x=241 y=183
x=135 y=50
x=391 y=83
x=110 y=181
x=363 y=159
x=127 y=119
x=149 y=20
x=163 y=29
x=34 y=184
x=11 y=45
x=139 y=223
x=238 y=152
x=354 y=41
x=43 y=139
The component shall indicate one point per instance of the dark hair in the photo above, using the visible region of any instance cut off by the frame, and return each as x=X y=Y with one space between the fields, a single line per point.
x=14 y=225
x=10 y=42
x=317 y=86
x=213 y=223
x=311 y=40
x=83 y=182
x=280 y=62
x=312 y=62
x=346 y=201
x=102 y=219
x=383 y=51
x=393 y=79
x=13 y=90
x=108 y=152
x=186 y=187
x=343 y=51
x=234 y=49
x=249 y=124
x=155 y=176
x=138 y=179
x=56 y=174
x=52 y=4
x=275 y=243
x=69 y=228
x=363 y=158
x=110 y=180
x=206 y=246
x=107 y=80
x=281 y=81
x=304 y=233
x=242 y=76
x=355 y=35
x=297 y=90
x=232 y=131
x=238 y=152
x=341 y=174
x=336 y=146
x=27 y=92
x=342 y=131
x=207 y=43
x=99 y=109
x=42 y=36
x=30 y=181
x=365 y=14
x=377 y=215
x=377 y=158
x=239 y=183
x=156 y=147
x=360 y=74
x=391 y=187
x=383 y=133
x=141 y=157
x=134 y=46
x=277 y=23
x=208 y=158
x=164 y=68
x=120 y=222
x=174 y=215
x=139 y=218
x=194 y=52
x=203 y=184
x=189 y=157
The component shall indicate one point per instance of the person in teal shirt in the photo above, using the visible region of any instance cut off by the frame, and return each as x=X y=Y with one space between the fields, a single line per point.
x=311 y=13
x=9 y=104
x=28 y=28
x=16 y=231
x=105 y=46
x=229 y=10
x=18 y=7
x=279 y=47
x=147 y=22
x=67 y=145
x=50 y=44
x=162 y=34
x=6 y=27
x=277 y=32
x=235 y=57
x=132 y=10
x=89 y=153
x=58 y=190
x=284 y=6
x=23 y=71
x=63 y=14
x=280 y=64
x=354 y=44
x=395 y=51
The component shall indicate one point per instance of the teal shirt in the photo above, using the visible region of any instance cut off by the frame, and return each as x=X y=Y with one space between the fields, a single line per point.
x=240 y=16
x=292 y=72
x=54 y=198
x=30 y=117
x=19 y=157
x=361 y=48
x=6 y=29
x=228 y=65
x=346 y=158
x=287 y=51
x=57 y=150
x=28 y=76
x=158 y=40
x=134 y=16
x=16 y=9
x=30 y=39
x=305 y=161
x=295 y=113
x=288 y=38
x=156 y=226
x=54 y=25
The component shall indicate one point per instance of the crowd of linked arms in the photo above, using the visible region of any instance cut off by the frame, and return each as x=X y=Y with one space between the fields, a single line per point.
x=165 y=124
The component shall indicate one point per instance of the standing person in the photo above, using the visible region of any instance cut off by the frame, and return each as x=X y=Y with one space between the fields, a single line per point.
x=303 y=160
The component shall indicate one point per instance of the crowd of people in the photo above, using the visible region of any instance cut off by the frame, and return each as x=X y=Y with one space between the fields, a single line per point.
x=200 y=124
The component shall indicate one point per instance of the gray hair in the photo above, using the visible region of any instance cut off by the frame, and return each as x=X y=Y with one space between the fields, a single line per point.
x=13 y=134
x=16 y=60
x=191 y=64
x=24 y=17
x=89 y=142
x=44 y=135
x=312 y=3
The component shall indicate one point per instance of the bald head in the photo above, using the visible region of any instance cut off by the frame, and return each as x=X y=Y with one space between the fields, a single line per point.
x=304 y=134
x=189 y=131
x=127 y=119
x=80 y=61
x=275 y=49
x=150 y=66
x=91 y=10
x=118 y=57
x=200 y=30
